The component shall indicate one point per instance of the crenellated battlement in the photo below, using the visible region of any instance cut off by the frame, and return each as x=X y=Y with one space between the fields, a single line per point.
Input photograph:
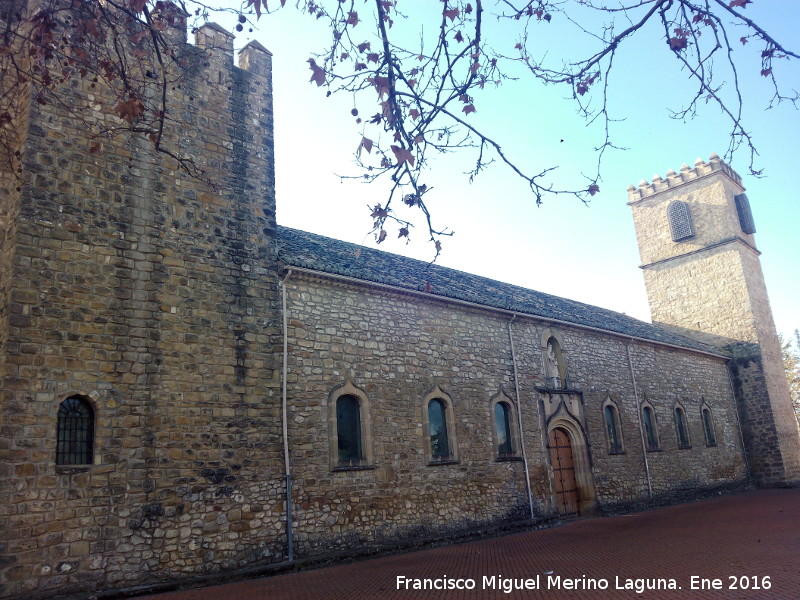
x=211 y=37
x=217 y=42
x=686 y=175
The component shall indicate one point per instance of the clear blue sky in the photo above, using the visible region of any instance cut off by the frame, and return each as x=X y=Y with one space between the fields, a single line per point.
x=563 y=247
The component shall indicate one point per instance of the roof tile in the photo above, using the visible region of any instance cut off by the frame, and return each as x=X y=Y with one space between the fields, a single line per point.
x=311 y=251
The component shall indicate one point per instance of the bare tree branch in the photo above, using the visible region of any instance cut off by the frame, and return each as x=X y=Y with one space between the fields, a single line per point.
x=424 y=72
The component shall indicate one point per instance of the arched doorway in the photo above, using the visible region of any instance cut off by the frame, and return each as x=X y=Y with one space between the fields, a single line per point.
x=563 y=463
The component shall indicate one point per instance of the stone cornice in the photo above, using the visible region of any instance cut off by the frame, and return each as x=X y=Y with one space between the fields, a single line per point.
x=732 y=240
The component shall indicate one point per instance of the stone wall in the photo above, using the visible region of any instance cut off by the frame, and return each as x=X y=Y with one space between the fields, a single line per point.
x=769 y=436
x=398 y=350
x=151 y=294
x=758 y=425
x=396 y=353
x=682 y=291
x=775 y=381
x=9 y=210
x=14 y=100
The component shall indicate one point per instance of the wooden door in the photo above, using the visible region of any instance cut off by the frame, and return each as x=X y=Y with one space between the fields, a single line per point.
x=564 y=472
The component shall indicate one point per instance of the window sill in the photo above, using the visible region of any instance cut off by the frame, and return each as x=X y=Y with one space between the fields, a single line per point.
x=616 y=452
x=69 y=469
x=93 y=468
x=434 y=462
x=684 y=447
x=654 y=449
x=341 y=468
x=509 y=458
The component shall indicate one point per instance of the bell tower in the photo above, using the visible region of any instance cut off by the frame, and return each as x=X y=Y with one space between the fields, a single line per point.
x=702 y=272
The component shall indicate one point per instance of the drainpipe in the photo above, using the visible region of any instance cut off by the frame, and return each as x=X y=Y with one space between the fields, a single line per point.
x=519 y=419
x=284 y=421
x=641 y=428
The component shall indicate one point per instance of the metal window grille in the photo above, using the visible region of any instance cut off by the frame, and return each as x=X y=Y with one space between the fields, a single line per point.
x=680 y=221
x=75 y=432
x=745 y=214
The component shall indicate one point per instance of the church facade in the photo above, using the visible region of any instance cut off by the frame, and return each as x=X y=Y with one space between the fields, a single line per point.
x=189 y=388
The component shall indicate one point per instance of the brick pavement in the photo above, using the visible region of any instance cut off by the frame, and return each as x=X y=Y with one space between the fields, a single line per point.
x=754 y=535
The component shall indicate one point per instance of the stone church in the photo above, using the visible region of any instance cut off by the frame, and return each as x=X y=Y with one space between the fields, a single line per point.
x=189 y=388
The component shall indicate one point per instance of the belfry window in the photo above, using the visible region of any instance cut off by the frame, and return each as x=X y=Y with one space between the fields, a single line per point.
x=680 y=221
x=745 y=214
x=348 y=427
x=75 y=432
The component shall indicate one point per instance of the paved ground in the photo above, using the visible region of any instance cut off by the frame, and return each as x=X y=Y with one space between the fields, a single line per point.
x=749 y=540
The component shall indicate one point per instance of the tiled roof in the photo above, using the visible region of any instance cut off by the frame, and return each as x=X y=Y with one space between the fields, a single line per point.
x=311 y=251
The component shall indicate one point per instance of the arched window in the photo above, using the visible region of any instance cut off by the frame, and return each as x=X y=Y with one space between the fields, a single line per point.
x=506 y=436
x=437 y=422
x=650 y=431
x=502 y=426
x=708 y=427
x=611 y=419
x=681 y=428
x=75 y=432
x=680 y=221
x=348 y=428
x=439 y=428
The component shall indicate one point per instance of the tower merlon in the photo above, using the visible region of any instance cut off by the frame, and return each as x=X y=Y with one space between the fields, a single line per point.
x=255 y=58
x=215 y=39
x=218 y=43
x=687 y=174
